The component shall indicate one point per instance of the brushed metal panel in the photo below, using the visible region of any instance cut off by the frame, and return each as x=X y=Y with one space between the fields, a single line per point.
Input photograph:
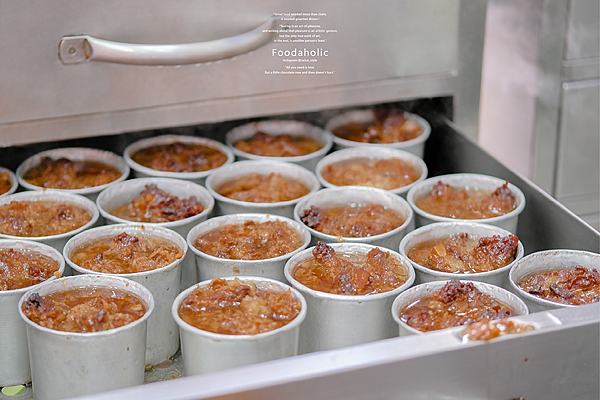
x=393 y=39
x=583 y=31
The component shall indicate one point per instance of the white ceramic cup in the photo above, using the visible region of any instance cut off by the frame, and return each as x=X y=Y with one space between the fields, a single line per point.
x=164 y=284
x=507 y=221
x=544 y=261
x=347 y=195
x=426 y=289
x=68 y=364
x=442 y=230
x=123 y=193
x=336 y=320
x=14 y=182
x=279 y=127
x=75 y=154
x=14 y=356
x=204 y=351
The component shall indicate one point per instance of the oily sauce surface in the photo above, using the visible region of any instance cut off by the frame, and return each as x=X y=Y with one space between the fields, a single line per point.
x=5 y=182
x=62 y=173
x=180 y=157
x=156 y=205
x=388 y=126
x=263 y=188
x=350 y=273
x=234 y=307
x=489 y=330
x=284 y=145
x=387 y=173
x=23 y=268
x=463 y=254
x=450 y=202
x=576 y=286
x=250 y=241
x=126 y=254
x=41 y=218
x=84 y=309
x=456 y=303
x=352 y=220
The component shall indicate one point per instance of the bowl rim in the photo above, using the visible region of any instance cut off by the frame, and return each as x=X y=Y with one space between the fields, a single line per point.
x=322 y=135
x=429 y=287
x=53 y=195
x=539 y=254
x=231 y=219
x=126 y=283
x=171 y=138
x=220 y=337
x=449 y=179
x=241 y=168
x=384 y=193
x=38 y=247
x=291 y=264
x=107 y=231
x=364 y=113
x=77 y=154
x=458 y=225
x=373 y=153
x=14 y=182
x=126 y=185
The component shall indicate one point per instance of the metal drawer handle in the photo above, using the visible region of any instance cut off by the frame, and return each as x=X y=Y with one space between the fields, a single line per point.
x=83 y=48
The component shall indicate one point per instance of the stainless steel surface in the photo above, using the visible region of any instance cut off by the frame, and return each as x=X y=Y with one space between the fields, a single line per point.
x=85 y=48
x=405 y=50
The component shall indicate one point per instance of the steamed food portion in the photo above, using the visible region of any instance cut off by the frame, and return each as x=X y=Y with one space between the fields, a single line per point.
x=388 y=126
x=62 y=173
x=5 y=182
x=250 y=240
x=284 y=145
x=235 y=307
x=156 y=205
x=456 y=303
x=488 y=330
x=23 y=268
x=575 y=286
x=180 y=157
x=263 y=188
x=352 y=220
x=463 y=254
x=41 y=218
x=387 y=173
x=351 y=273
x=462 y=203
x=84 y=309
x=126 y=254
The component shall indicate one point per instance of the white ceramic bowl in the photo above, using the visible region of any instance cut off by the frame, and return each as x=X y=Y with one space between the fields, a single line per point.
x=75 y=154
x=164 y=284
x=209 y=267
x=507 y=221
x=139 y=171
x=544 y=261
x=56 y=241
x=69 y=364
x=347 y=195
x=124 y=192
x=204 y=351
x=415 y=146
x=418 y=292
x=226 y=206
x=14 y=180
x=335 y=320
x=377 y=153
x=442 y=230
x=14 y=357
x=279 y=127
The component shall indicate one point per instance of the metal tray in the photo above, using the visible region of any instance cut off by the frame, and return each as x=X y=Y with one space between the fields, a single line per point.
x=560 y=359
